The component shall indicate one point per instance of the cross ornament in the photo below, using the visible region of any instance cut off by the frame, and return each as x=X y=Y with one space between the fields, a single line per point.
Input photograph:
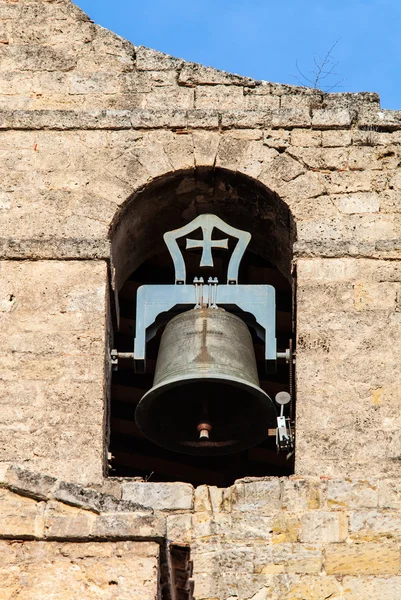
x=206 y=244
x=207 y=223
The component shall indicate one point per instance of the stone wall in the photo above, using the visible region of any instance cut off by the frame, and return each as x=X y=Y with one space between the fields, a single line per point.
x=89 y=126
x=53 y=355
x=297 y=538
x=87 y=122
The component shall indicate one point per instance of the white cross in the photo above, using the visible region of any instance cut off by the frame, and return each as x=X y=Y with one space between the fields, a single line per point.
x=207 y=244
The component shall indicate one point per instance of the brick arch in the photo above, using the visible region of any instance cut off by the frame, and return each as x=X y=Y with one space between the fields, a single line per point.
x=175 y=198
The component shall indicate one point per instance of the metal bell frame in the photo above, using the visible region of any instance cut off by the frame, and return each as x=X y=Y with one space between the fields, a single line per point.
x=250 y=299
x=256 y=300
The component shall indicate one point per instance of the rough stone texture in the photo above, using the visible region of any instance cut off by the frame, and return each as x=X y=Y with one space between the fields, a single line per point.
x=37 y=570
x=52 y=385
x=101 y=140
x=160 y=496
x=294 y=538
x=348 y=367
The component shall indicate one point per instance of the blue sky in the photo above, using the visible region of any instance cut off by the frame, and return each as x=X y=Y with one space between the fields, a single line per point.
x=265 y=39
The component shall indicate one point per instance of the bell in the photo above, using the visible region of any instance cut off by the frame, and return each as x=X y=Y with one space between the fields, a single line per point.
x=206 y=398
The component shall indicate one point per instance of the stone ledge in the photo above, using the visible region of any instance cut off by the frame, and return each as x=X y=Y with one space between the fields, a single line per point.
x=75 y=495
x=43 y=487
x=58 y=249
x=38 y=507
x=263 y=495
x=262 y=116
x=348 y=249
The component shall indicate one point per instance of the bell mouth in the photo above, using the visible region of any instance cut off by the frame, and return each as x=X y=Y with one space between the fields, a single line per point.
x=239 y=414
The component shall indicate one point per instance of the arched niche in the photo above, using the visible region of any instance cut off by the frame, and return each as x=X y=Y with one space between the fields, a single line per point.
x=173 y=200
x=140 y=256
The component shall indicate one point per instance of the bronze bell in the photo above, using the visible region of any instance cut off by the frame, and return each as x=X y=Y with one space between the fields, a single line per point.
x=206 y=398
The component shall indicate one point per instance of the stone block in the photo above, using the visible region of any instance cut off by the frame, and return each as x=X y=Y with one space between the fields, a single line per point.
x=347 y=182
x=254 y=101
x=375 y=296
x=291 y=117
x=385 y=120
x=361 y=158
x=227 y=560
x=331 y=118
x=323 y=527
x=333 y=139
x=203 y=119
x=278 y=139
x=345 y=494
x=155 y=118
x=212 y=499
x=33 y=485
x=307 y=185
x=160 y=496
x=179 y=529
x=299 y=101
x=168 y=97
x=244 y=119
x=89 y=499
x=322 y=159
x=65 y=119
x=256 y=496
x=129 y=526
x=152 y=60
x=210 y=527
x=193 y=74
x=53 y=297
x=34 y=57
x=250 y=526
x=306 y=138
x=94 y=83
x=288 y=558
x=219 y=97
x=63 y=522
x=390 y=201
x=19 y=516
x=352 y=100
x=310 y=587
x=375 y=525
x=285 y=528
x=120 y=570
x=366 y=202
x=390 y=494
x=362 y=559
x=359 y=588
x=231 y=149
x=298 y=494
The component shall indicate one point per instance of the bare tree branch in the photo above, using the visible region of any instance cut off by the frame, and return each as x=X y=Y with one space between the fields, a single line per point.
x=324 y=68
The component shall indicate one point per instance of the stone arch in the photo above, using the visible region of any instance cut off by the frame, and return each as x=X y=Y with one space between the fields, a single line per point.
x=175 y=198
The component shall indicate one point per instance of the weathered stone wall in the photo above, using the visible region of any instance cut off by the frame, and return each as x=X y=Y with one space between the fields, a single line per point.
x=261 y=539
x=348 y=365
x=87 y=121
x=112 y=570
x=53 y=355
x=287 y=539
x=58 y=540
